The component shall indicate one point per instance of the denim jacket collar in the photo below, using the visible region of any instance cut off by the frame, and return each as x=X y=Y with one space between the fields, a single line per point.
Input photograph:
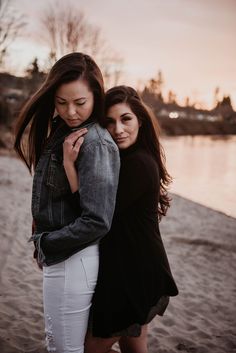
x=63 y=130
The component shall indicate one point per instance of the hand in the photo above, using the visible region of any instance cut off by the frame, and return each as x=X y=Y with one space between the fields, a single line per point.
x=71 y=146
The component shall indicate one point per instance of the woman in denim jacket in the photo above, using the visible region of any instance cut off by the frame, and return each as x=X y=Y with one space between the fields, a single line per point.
x=67 y=233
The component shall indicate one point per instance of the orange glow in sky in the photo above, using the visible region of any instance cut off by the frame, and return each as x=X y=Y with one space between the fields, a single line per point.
x=191 y=41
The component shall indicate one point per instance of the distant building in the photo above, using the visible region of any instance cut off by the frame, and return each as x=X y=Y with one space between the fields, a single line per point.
x=191 y=113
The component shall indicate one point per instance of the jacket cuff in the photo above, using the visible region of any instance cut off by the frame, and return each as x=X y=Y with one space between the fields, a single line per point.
x=37 y=238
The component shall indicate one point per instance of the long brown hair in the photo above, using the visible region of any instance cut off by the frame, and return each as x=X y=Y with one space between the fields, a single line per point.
x=39 y=110
x=148 y=136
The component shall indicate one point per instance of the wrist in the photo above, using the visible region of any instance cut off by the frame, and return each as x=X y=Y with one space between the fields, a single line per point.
x=68 y=164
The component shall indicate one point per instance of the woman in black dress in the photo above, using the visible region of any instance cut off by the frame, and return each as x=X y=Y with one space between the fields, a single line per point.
x=134 y=281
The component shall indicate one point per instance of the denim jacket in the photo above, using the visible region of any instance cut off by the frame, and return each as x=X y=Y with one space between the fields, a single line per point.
x=64 y=222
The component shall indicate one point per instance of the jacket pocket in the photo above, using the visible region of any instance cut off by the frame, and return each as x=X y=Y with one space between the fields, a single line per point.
x=56 y=176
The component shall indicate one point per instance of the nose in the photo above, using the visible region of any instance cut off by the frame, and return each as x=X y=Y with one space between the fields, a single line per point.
x=118 y=128
x=71 y=110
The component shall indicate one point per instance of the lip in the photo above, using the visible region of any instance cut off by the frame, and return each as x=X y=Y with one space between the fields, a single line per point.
x=73 y=120
x=121 y=139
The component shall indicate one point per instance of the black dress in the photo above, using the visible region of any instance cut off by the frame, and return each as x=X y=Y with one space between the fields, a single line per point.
x=134 y=279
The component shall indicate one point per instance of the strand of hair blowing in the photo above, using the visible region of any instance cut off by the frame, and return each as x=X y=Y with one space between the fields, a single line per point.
x=37 y=114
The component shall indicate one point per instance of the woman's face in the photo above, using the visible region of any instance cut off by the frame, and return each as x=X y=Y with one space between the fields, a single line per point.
x=74 y=102
x=123 y=125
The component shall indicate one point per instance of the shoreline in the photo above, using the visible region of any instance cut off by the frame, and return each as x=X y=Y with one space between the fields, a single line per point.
x=201 y=247
x=12 y=154
x=202 y=205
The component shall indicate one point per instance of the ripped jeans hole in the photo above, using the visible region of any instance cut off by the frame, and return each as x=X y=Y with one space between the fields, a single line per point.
x=50 y=344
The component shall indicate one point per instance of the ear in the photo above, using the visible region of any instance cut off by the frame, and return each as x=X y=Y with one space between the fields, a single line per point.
x=140 y=123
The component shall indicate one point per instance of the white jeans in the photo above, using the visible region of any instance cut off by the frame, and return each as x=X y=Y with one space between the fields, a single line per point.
x=68 y=288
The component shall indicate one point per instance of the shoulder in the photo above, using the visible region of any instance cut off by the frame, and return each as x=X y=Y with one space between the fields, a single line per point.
x=141 y=159
x=98 y=147
x=98 y=136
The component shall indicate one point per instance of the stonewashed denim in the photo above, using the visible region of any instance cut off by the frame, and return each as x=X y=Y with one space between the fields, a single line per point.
x=63 y=226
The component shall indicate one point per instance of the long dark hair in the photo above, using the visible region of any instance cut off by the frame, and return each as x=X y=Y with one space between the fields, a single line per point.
x=148 y=136
x=39 y=110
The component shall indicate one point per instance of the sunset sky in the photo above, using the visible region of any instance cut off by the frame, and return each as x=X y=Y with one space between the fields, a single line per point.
x=191 y=41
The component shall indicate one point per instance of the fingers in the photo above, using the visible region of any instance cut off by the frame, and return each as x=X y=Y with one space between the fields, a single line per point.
x=74 y=136
x=74 y=140
x=78 y=144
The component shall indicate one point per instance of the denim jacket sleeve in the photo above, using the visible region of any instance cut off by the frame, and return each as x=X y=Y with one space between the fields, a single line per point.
x=98 y=167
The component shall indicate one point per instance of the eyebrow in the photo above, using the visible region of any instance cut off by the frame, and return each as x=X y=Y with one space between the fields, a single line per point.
x=125 y=114
x=77 y=99
x=122 y=115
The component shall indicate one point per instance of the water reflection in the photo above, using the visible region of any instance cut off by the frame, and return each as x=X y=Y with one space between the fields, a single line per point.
x=204 y=170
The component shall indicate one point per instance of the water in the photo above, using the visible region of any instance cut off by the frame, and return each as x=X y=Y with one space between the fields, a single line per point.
x=204 y=170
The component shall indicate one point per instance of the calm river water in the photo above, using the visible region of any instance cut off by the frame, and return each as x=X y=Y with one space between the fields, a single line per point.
x=204 y=170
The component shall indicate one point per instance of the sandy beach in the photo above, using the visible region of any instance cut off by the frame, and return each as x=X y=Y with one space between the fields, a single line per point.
x=201 y=246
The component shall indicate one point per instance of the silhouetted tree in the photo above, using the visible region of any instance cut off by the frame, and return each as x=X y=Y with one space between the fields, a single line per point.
x=11 y=25
x=155 y=85
x=112 y=69
x=226 y=102
x=171 y=97
x=187 y=102
x=33 y=69
x=35 y=77
x=152 y=92
x=226 y=110
x=65 y=29
x=216 y=96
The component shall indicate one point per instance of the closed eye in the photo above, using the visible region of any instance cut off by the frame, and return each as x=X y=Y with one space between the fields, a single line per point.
x=80 y=103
